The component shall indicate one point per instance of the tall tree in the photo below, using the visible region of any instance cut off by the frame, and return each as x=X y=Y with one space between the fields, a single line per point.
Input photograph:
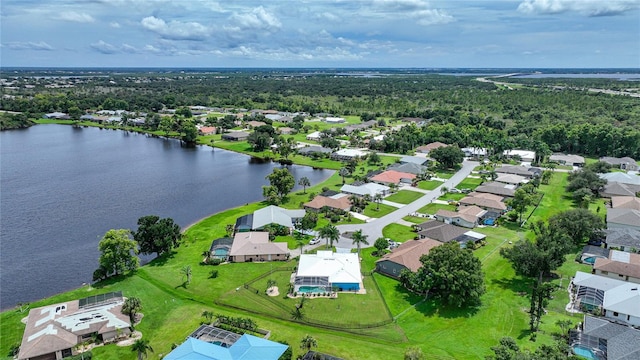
x=380 y=244
x=186 y=272
x=330 y=233
x=142 y=348
x=155 y=235
x=189 y=133
x=452 y=273
x=304 y=182
x=521 y=199
x=580 y=225
x=131 y=306
x=282 y=181
x=377 y=198
x=343 y=172
x=118 y=252
x=447 y=156
x=358 y=239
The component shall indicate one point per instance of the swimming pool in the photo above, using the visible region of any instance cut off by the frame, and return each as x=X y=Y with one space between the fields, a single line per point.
x=584 y=352
x=311 y=289
x=590 y=260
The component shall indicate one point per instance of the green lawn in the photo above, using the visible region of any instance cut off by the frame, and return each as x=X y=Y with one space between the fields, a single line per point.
x=397 y=232
x=414 y=219
x=469 y=183
x=452 y=196
x=376 y=210
x=433 y=208
x=445 y=174
x=404 y=196
x=429 y=184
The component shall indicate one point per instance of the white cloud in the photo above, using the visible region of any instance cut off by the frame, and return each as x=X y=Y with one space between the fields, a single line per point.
x=75 y=17
x=326 y=16
x=104 y=47
x=176 y=30
x=433 y=17
x=257 y=19
x=584 y=7
x=402 y=5
x=115 y=25
x=19 y=45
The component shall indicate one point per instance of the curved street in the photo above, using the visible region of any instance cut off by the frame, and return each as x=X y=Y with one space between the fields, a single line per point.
x=373 y=228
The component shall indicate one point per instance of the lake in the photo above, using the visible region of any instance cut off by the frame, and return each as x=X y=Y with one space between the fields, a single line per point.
x=62 y=188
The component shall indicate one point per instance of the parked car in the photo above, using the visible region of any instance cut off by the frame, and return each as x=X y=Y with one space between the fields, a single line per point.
x=314 y=241
x=454 y=191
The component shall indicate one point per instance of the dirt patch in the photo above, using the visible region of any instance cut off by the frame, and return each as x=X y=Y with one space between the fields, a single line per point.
x=130 y=340
x=273 y=291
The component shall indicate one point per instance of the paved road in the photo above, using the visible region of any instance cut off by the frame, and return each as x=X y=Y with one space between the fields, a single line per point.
x=373 y=229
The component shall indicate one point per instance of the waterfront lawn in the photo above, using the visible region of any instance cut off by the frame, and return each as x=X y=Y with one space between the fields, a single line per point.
x=376 y=210
x=429 y=184
x=433 y=208
x=397 y=232
x=404 y=196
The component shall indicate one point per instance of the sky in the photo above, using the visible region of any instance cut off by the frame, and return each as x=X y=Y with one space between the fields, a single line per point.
x=321 y=33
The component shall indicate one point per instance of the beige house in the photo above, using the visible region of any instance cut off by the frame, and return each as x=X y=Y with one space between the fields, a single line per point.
x=255 y=246
x=53 y=331
x=620 y=265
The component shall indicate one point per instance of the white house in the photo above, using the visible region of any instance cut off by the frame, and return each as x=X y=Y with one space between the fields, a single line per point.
x=326 y=271
x=370 y=189
x=524 y=155
x=348 y=154
x=314 y=136
x=334 y=120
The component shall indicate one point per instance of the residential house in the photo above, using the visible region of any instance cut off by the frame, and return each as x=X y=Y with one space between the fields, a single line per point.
x=417 y=121
x=564 y=159
x=328 y=270
x=314 y=136
x=517 y=170
x=621 y=218
x=267 y=216
x=393 y=177
x=623 y=239
x=211 y=343
x=285 y=119
x=625 y=202
x=410 y=168
x=220 y=248
x=53 y=331
x=426 y=149
x=437 y=230
x=511 y=179
x=524 y=155
x=495 y=188
x=368 y=189
x=285 y=130
x=620 y=177
x=405 y=257
x=255 y=246
x=254 y=124
x=619 y=265
x=235 y=136
x=338 y=202
x=474 y=152
x=485 y=201
x=606 y=340
x=273 y=117
x=468 y=216
x=617 y=299
x=362 y=126
x=87 y=117
x=334 y=120
x=207 y=130
x=625 y=163
x=308 y=150
x=348 y=154
x=56 y=115
x=414 y=160
x=613 y=188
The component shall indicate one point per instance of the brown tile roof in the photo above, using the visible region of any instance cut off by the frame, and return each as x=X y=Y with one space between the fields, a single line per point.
x=319 y=202
x=255 y=243
x=205 y=130
x=620 y=262
x=483 y=202
x=408 y=253
x=625 y=202
x=440 y=231
x=472 y=210
x=254 y=123
x=392 y=176
x=431 y=146
x=452 y=214
x=487 y=196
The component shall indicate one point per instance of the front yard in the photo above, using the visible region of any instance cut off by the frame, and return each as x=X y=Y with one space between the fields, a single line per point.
x=404 y=196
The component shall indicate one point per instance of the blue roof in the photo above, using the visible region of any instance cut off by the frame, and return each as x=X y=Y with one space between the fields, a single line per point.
x=248 y=347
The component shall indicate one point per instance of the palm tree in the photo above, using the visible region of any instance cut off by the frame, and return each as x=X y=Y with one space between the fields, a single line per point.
x=330 y=233
x=186 y=271
x=343 y=172
x=308 y=342
x=359 y=238
x=142 y=347
x=297 y=314
x=131 y=307
x=444 y=189
x=208 y=315
x=304 y=182
x=377 y=198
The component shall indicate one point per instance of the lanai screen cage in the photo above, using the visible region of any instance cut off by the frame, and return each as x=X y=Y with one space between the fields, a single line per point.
x=312 y=281
x=590 y=298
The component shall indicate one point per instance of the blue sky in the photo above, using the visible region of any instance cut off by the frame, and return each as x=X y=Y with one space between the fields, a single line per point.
x=320 y=33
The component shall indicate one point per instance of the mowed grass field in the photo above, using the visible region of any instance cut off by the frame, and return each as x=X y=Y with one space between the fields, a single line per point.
x=172 y=310
x=404 y=196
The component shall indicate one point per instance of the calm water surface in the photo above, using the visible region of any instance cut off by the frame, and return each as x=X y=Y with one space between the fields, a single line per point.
x=62 y=188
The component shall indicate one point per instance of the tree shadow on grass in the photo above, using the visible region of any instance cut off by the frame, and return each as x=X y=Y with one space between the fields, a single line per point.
x=163 y=259
x=112 y=280
x=517 y=284
x=434 y=307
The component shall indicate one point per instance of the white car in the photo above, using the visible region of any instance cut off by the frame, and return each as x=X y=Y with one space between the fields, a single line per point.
x=314 y=241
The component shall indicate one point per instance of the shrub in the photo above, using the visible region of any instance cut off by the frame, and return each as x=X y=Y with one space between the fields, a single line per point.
x=213 y=261
x=213 y=274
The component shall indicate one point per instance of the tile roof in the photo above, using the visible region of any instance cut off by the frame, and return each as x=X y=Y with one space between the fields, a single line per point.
x=370 y=189
x=623 y=342
x=516 y=170
x=483 y=202
x=492 y=188
x=338 y=267
x=620 y=262
x=452 y=215
x=511 y=179
x=621 y=177
x=614 y=188
x=623 y=237
x=440 y=231
x=625 y=202
x=255 y=243
x=567 y=158
x=624 y=216
x=319 y=202
x=431 y=146
x=248 y=347
x=410 y=168
x=392 y=176
x=408 y=253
